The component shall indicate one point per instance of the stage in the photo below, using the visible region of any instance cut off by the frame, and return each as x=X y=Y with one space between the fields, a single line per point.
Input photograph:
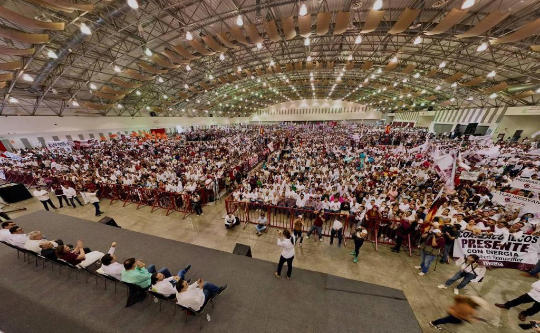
x=35 y=300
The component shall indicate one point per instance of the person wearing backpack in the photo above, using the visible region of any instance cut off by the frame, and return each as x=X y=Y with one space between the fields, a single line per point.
x=470 y=269
x=287 y=253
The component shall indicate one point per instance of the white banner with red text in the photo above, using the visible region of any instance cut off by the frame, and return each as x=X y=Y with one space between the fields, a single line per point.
x=526 y=184
x=526 y=205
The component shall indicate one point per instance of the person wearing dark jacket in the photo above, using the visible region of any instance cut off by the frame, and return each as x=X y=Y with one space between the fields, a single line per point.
x=359 y=237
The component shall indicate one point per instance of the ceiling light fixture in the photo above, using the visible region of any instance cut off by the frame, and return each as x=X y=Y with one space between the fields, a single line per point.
x=221 y=57
x=148 y=52
x=188 y=68
x=189 y=36
x=442 y=64
x=307 y=41
x=138 y=93
x=493 y=96
x=27 y=77
x=417 y=40
x=468 y=4
x=186 y=86
x=75 y=103
x=482 y=47
x=416 y=75
x=358 y=39
x=394 y=59
x=308 y=58
x=133 y=4
x=303 y=10
x=13 y=100
x=85 y=30
x=491 y=74
x=259 y=46
x=239 y=21
x=377 y=5
x=160 y=79
x=117 y=69
x=120 y=106
x=93 y=86
x=51 y=54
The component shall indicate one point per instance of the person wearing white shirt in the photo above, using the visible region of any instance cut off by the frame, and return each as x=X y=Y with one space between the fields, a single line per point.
x=17 y=238
x=196 y=295
x=166 y=285
x=93 y=199
x=4 y=232
x=36 y=242
x=231 y=221
x=71 y=194
x=43 y=196
x=337 y=230
x=287 y=253
x=533 y=296
x=110 y=266
x=470 y=270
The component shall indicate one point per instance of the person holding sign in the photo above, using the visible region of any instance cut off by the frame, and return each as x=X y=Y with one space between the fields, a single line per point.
x=470 y=269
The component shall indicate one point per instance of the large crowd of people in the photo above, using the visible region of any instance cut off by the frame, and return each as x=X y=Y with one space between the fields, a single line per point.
x=399 y=185
x=192 y=163
x=395 y=185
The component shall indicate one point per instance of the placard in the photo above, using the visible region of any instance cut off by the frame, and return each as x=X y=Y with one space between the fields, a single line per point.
x=520 y=253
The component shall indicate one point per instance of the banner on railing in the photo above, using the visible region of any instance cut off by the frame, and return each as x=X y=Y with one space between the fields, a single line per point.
x=526 y=184
x=528 y=205
x=514 y=253
x=64 y=145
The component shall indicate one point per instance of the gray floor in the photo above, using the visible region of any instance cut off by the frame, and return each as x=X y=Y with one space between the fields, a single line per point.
x=58 y=301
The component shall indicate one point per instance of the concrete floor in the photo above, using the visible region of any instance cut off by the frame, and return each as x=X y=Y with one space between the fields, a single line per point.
x=382 y=267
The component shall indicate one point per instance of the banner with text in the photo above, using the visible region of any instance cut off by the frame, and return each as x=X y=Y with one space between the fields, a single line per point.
x=64 y=145
x=521 y=253
x=526 y=184
x=526 y=205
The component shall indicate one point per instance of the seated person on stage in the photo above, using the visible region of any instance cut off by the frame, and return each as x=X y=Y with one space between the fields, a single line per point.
x=166 y=285
x=36 y=243
x=194 y=296
x=72 y=256
x=4 y=232
x=17 y=238
x=261 y=224
x=231 y=221
x=136 y=273
x=110 y=266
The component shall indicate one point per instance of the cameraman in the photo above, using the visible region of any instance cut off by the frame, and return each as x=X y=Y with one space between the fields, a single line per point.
x=432 y=243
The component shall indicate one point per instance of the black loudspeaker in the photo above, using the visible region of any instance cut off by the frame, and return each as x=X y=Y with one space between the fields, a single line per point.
x=430 y=108
x=242 y=250
x=153 y=114
x=471 y=128
x=109 y=221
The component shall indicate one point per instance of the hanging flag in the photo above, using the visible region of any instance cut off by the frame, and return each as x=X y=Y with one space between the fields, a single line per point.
x=387 y=129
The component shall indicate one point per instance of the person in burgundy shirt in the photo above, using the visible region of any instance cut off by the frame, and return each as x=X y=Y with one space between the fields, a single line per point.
x=317 y=225
x=72 y=256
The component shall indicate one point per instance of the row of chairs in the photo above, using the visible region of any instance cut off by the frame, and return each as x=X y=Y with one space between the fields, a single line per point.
x=135 y=293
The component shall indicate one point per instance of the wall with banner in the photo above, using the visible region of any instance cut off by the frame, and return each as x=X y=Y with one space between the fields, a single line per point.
x=520 y=253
